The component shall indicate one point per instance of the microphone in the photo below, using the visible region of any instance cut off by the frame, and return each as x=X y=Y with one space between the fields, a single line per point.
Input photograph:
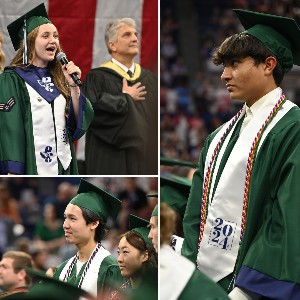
x=61 y=57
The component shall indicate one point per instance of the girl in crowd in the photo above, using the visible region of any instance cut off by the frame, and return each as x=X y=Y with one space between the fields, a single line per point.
x=137 y=260
x=42 y=110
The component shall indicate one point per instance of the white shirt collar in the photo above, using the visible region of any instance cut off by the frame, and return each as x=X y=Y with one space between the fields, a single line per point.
x=269 y=97
x=124 y=68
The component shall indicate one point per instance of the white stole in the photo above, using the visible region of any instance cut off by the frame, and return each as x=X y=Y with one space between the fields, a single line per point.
x=220 y=243
x=89 y=283
x=175 y=272
x=45 y=126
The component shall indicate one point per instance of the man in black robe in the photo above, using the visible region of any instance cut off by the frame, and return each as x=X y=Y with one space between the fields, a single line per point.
x=123 y=137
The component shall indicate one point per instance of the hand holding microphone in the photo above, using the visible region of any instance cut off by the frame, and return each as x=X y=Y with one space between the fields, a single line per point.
x=72 y=70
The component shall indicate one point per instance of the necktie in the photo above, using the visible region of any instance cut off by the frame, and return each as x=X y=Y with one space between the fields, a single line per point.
x=130 y=73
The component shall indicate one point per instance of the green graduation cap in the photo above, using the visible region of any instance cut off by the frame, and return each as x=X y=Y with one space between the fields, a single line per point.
x=174 y=190
x=165 y=161
x=140 y=226
x=280 y=35
x=52 y=289
x=155 y=211
x=19 y=29
x=96 y=200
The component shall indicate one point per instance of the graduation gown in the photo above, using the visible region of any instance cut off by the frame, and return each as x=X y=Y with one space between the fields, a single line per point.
x=268 y=261
x=17 y=145
x=109 y=274
x=194 y=285
x=123 y=137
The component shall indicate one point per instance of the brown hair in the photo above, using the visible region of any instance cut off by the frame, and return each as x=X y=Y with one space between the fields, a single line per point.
x=149 y=266
x=167 y=223
x=54 y=67
x=243 y=45
x=21 y=260
x=2 y=56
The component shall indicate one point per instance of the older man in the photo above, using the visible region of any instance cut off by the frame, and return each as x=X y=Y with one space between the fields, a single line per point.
x=123 y=136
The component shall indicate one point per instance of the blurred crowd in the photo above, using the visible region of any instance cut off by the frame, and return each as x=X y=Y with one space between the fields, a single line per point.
x=194 y=105
x=32 y=214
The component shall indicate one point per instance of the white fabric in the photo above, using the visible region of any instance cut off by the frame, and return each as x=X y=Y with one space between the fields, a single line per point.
x=44 y=129
x=175 y=272
x=177 y=241
x=124 y=68
x=89 y=283
x=220 y=243
x=79 y=265
x=247 y=119
x=238 y=294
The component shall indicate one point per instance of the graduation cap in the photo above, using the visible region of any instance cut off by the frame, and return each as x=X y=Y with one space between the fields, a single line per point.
x=96 y=200
x=174 y=190
x=176 y=162
x=280 y=35
x=140 y=226
x=19 y=29
x=155 y=211
x=51 y=288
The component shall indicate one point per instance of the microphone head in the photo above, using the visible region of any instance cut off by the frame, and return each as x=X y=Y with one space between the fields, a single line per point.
x=60 y=56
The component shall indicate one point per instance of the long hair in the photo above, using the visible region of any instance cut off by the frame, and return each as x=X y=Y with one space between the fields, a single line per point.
x=2 y=56
x=89 y=218
x=149 y=267
x=54 y=67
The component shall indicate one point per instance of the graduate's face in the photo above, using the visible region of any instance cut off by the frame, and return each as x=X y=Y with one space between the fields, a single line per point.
x=130 y=259
x=153 y=234
x=46 y=45
x=244 y=80
x=75 y=227
x=127 y=43
x=9 y=278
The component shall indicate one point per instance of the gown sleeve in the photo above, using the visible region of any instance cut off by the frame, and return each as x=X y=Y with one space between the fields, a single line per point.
x=271 y=266
x=109 y=276
x=13 y=123
x=85 y=116
x=116 y=119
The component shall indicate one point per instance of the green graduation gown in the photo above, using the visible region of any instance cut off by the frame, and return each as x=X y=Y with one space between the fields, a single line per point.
x=123 y=137
x=268 y=261
x=17 y=151
x=109 y=274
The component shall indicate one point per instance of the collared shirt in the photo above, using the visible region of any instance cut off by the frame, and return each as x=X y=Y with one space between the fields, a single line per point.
x=122 y=66
x=254 y=108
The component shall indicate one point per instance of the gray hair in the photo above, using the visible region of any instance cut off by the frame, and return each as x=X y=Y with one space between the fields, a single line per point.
x=112 y=28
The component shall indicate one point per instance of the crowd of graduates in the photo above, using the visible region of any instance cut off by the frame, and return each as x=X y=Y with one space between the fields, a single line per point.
x=121 y=277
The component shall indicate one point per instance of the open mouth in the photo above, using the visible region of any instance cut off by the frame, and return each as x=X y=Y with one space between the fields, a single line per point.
x=51 y=49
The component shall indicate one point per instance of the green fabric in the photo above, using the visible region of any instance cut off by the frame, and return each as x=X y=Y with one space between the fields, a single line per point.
x=280 y=35
x=155 y=211
x=176 y=162
x=269 y=245
x=109 y=274
x=34 y=18
x=45 y=234
x=51 y=288
x=16 y=138
x=200 y=287
x=174 y=191
x=96 y=200
x=141 y=226
x=122 y=138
